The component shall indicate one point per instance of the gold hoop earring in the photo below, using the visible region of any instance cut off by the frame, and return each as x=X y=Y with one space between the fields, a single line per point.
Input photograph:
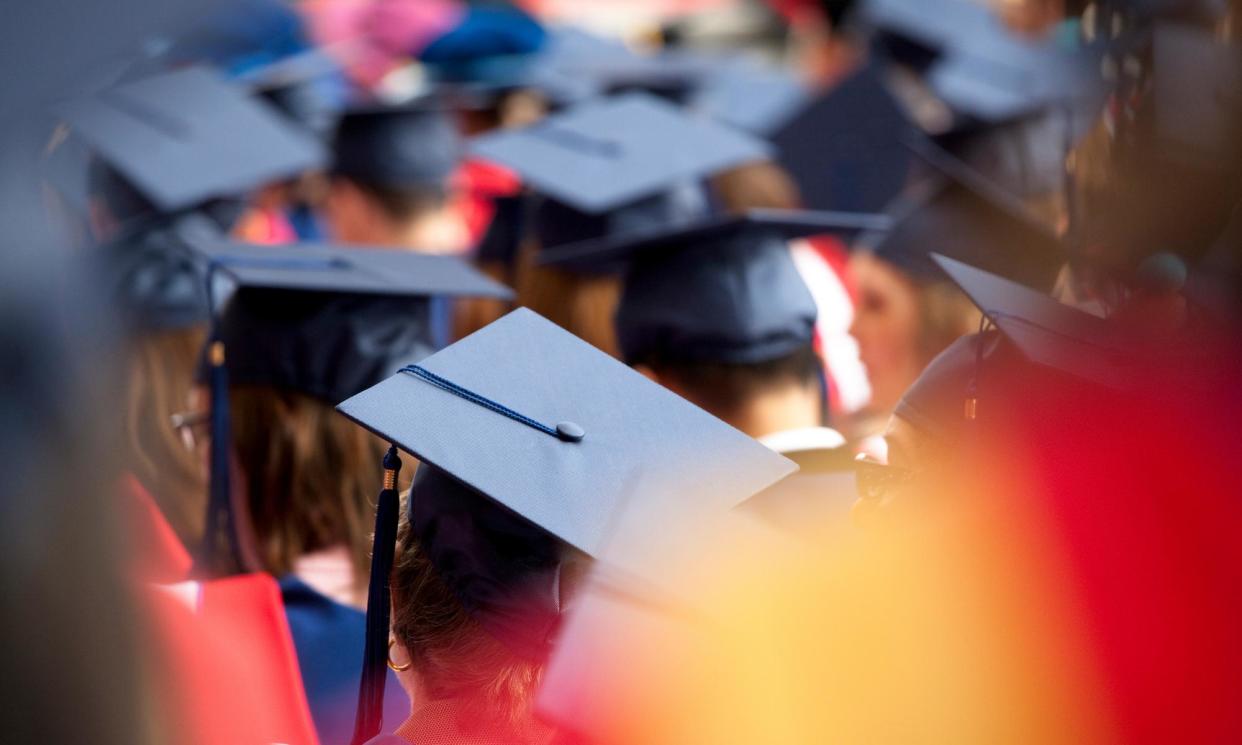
x=396 y=668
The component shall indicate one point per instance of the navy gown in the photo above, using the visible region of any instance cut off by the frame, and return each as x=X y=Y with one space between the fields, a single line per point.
x=329 y=638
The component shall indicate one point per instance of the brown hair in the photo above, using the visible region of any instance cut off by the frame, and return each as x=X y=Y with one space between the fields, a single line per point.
x=582 y=304
x=310 y=477
x=161 y=376
x=454 y=656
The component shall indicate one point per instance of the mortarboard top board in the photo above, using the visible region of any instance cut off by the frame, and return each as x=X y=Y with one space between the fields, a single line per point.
x=308 y=87
x=961 y=214
x=933 y=25
x=408 y=145
x=634 y=430
x=1046 y=331
x=750 y=95
x=610 y=152
x=783 y=224
x=353 y=270
x=998 y=78
x=843 y=149
x=187 y=137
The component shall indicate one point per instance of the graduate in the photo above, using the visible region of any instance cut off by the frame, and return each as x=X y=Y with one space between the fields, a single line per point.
x=717 y=312
x=908 y=311
x=532 y=447
x=306 y=327
x=603 y=167
x=390 y=178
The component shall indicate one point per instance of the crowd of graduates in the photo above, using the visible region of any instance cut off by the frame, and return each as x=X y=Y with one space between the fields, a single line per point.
x=433 y=371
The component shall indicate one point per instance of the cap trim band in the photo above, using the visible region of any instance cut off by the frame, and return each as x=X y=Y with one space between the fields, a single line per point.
x=564 y=431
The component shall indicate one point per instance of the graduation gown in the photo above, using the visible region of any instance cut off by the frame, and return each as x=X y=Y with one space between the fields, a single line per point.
x=329 y=639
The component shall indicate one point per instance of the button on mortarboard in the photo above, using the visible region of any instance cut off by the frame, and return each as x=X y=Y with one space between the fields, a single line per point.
x=607 y=153
x=185 y=137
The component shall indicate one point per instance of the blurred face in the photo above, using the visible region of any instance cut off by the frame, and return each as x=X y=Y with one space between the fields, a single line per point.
x=886 y=326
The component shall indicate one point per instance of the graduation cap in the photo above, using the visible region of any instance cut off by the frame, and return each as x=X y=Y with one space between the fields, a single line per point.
x=608 y=153
x=961 y=214
x=535 y=429
x=154 y=283
x=916 y=32
x=185 y=137
x=412 y=145
x=320 y=320
x=1000 y=78
x=750 y=95
x=306 y=87
x=721 y=290
x=1047 y=332
x=843 y=149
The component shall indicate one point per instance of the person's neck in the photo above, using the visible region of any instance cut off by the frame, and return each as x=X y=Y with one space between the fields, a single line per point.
x=432 y=232
x=777 y=411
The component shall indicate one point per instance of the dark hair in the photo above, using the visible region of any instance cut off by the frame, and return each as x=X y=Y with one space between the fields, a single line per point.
x=310 y=476
x=115 y=193
x=402 y=203
x=721 y=388
x=456 y=658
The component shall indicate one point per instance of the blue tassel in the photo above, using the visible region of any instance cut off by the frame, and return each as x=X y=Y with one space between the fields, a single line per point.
x=370 y=715
x=220 y=553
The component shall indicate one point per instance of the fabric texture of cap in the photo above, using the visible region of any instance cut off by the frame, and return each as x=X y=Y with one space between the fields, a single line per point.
x=724 y=291
x=750 y=95
x=843 y=149
x=1046 y=331
x=154 y=282
x=963 y=215
x=610 y=152
x=331 y=322
x=407 y=146
x=185 y=137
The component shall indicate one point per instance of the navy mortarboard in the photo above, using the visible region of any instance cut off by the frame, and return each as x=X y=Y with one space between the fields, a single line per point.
x=610 y=152
x=186 y=137
x=154 y=283
x=960 y=213
x=532 y=444
x=612 y=165
x=722 y=290
x=413 y=145
x=843 y=148
x=306 y=87
x=1047 y=332
x=750 y=95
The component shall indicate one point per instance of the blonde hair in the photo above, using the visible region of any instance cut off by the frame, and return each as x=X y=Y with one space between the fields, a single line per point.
x=945 y=315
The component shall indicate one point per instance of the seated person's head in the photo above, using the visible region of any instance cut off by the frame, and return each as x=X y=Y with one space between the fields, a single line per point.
x=391 y=172
x=477 y=595
x=728 y=325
